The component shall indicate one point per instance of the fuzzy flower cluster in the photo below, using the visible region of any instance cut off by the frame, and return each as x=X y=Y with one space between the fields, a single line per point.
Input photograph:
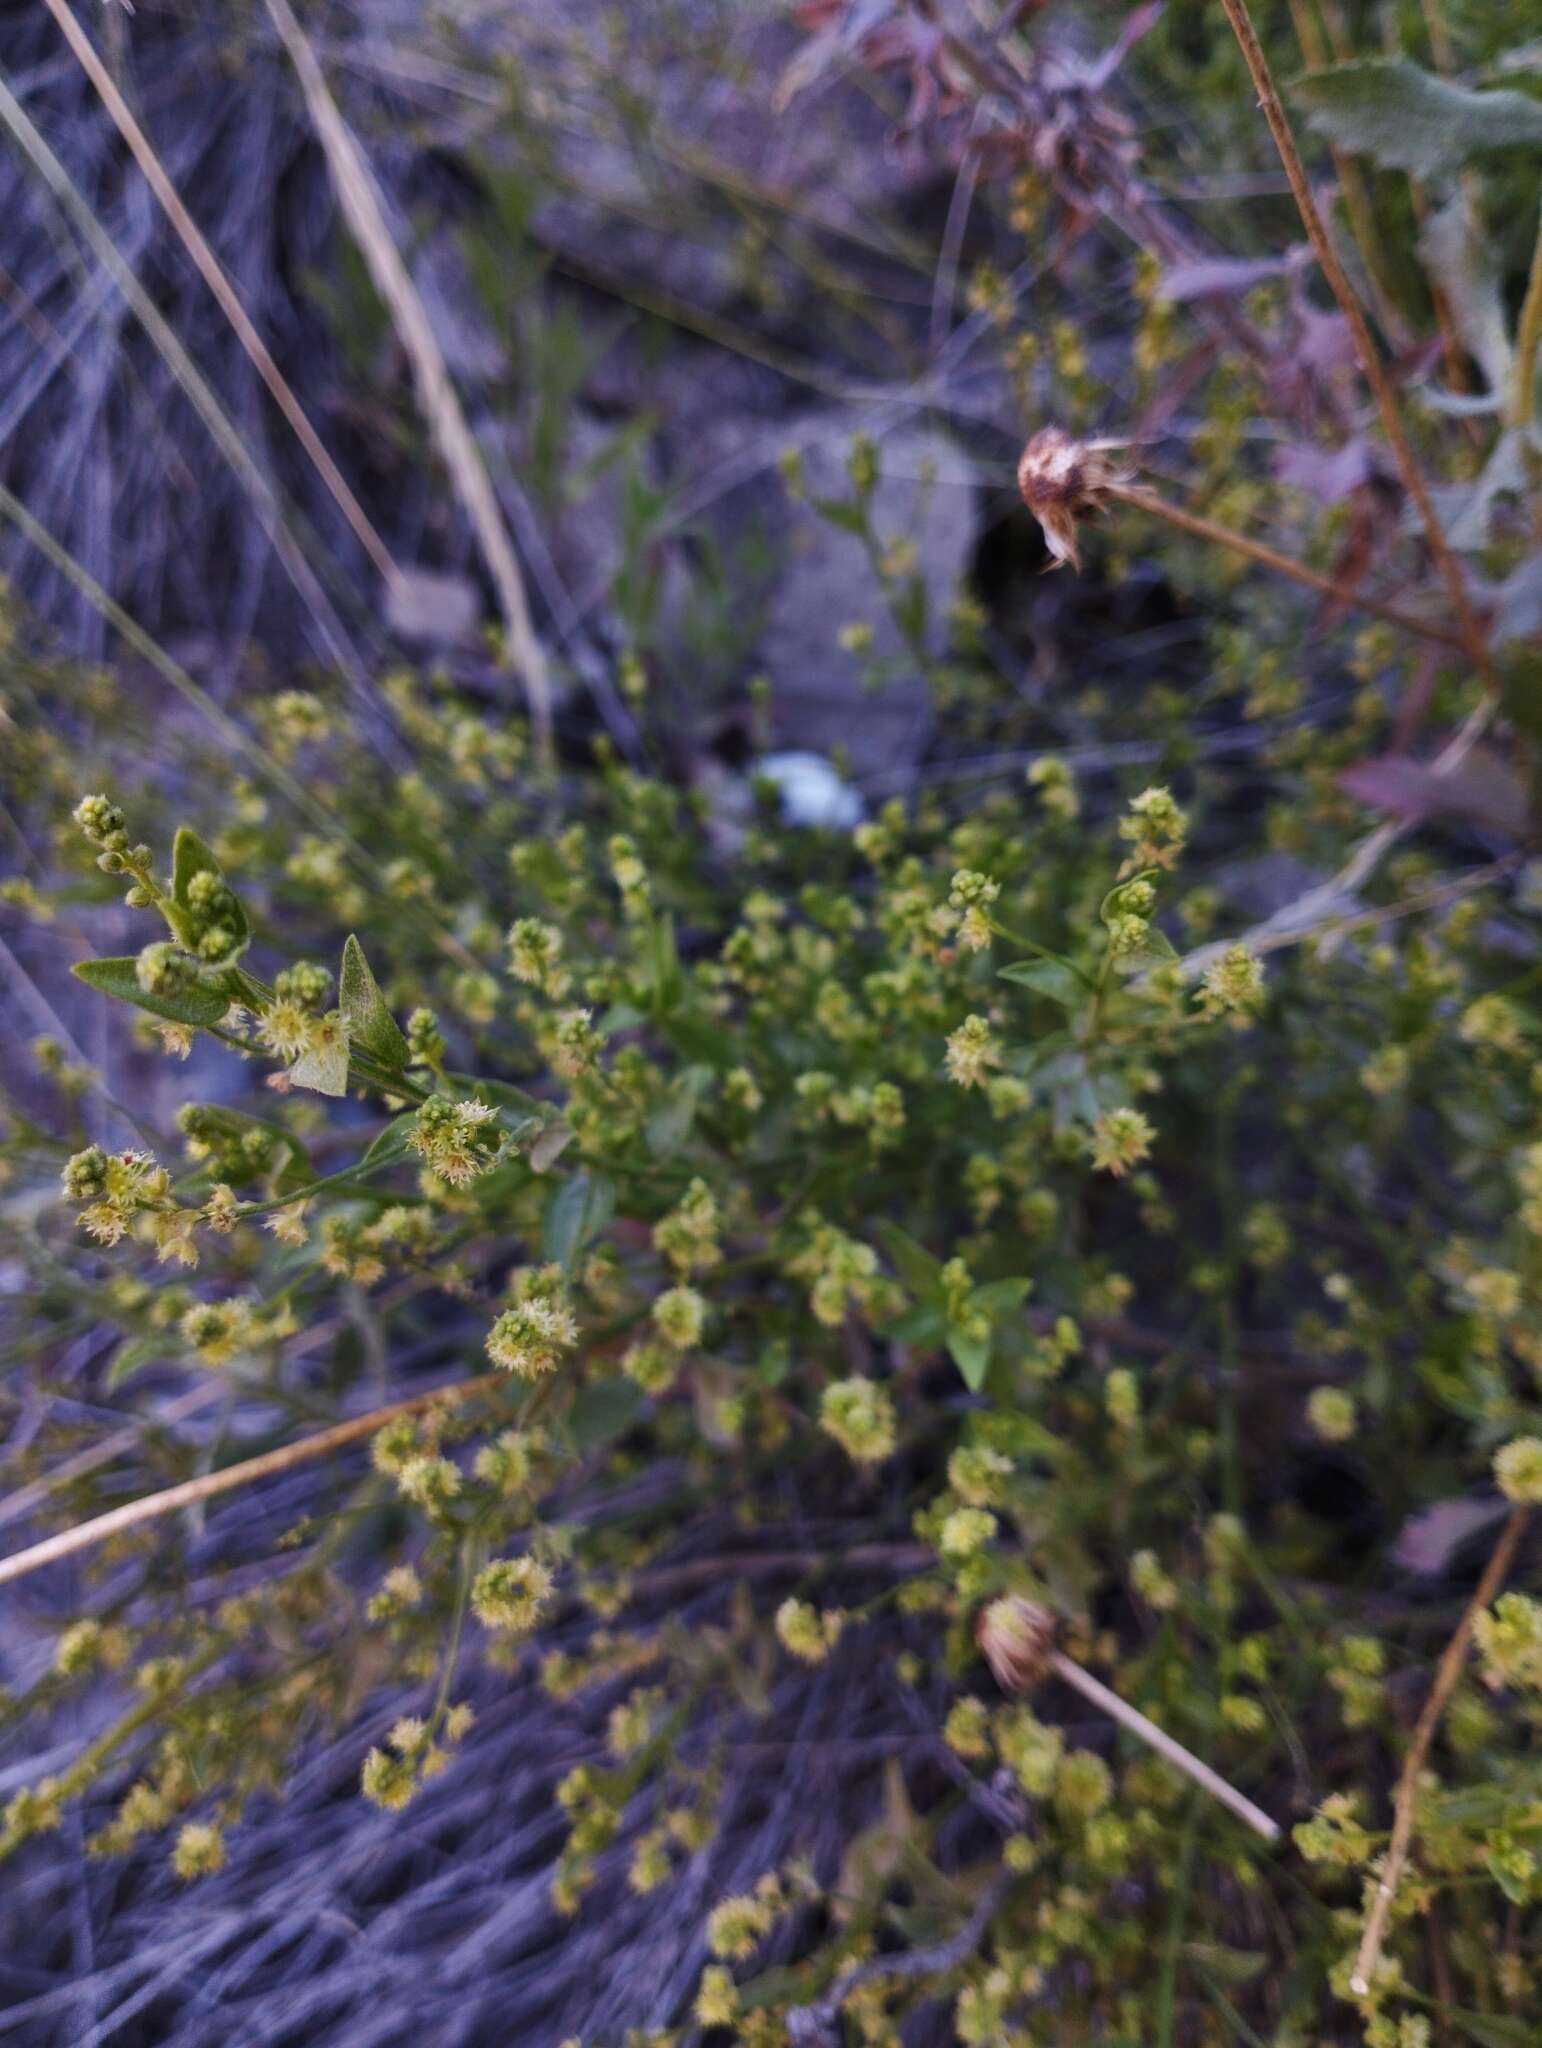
x=680 y=1316
x=859 y=1414
x=410 y=1756
x=1121 y=1138
x=971 y=896
x=1233 y=986
x=458 y=1141
x=804 y=1632
x=687 y=1237
x=1518 y=1468
x=839 y=1271
x=971 y=1051
x=535 y=956
x=510 y=1593
x=113 y=1188
x=1509 y=1640
x=1155 y=829
x=530 y=1338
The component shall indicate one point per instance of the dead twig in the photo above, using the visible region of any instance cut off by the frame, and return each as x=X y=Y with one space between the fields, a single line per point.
x=1448 y=1671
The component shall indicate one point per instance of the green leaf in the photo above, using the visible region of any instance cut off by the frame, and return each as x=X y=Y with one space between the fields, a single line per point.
x=550 y=1145
x=699 y=1039
x=972 y=1356
x=921 y=1273
x=391 y=1143
x=371 y=1027
x=1466 y=267
x=670 y=1124
x=668 y=982
x=1056 y=979
x=1229 y=1965
x=130 y=1358
x=577 y=1211
x=603 y=1409
x=190 y=857
x=116 y=977
x=1407 y=119
x=1154 y=950
x=1001 y=1296
x=1490 y=2033
x=923 y=1325
x=849 y=518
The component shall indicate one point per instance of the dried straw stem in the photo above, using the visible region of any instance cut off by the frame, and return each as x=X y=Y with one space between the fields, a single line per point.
x=362 y=209
x=208 y=265
x=151 y=1506
x=1449 y=1670
x=1158 y=1739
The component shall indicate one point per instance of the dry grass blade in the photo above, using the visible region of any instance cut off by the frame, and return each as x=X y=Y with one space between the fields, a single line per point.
x=151 y=1506
x=213 y=274
x=361 y=207
x=288 y=544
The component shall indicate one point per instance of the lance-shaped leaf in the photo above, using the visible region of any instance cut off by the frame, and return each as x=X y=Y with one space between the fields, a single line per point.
x=189 y=858
x=117 y=977
x=371 y=1027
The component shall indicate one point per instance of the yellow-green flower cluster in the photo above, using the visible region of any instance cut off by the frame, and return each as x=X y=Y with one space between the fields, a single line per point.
x=1518 y=1468
x=805 y=1632
x=458 y=1141
x=113 y=1188
x=687 y=1236
x=971 y=1051
x=1509 y=1640
x=1233 y=985
x=859 y=1414
x=510 y=1593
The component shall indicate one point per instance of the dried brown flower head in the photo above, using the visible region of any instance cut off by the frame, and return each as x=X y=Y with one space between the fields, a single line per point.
x=1016 y=1637
x=1063 y=481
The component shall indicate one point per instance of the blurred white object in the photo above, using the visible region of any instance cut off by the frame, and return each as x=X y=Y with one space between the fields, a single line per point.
x=811 y=791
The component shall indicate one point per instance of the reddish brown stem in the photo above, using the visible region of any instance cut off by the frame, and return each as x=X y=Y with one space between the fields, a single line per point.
x=1365 y=347
x=1448 y=1671
x=1144 y=500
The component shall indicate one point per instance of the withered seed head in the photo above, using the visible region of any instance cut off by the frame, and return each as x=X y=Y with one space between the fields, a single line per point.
x=1016 y=1637
x=1062 y=481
